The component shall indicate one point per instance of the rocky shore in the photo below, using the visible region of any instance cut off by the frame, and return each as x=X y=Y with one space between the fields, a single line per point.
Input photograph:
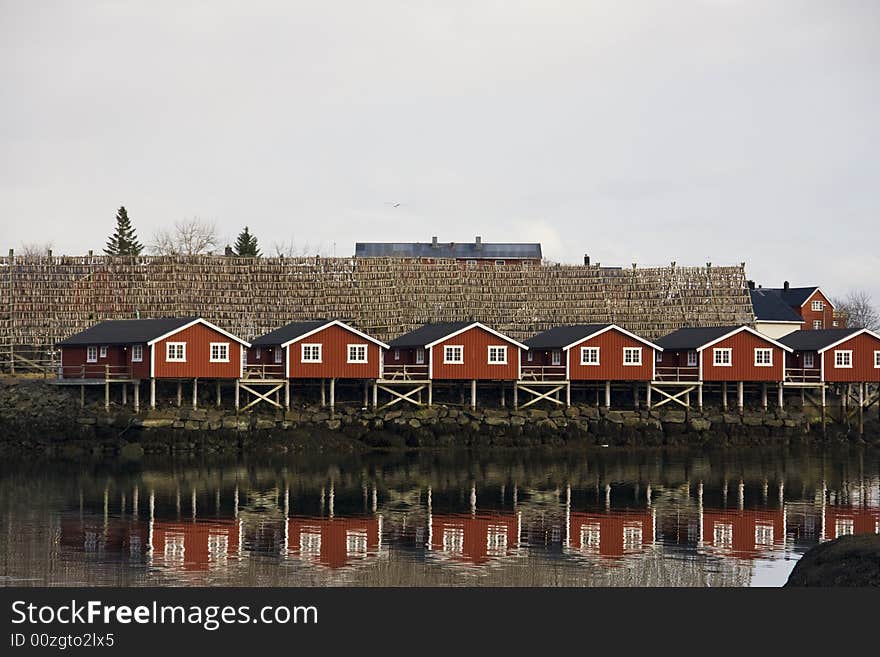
x=36 y=416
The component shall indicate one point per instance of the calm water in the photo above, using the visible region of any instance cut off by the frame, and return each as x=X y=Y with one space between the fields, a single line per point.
x=599 y=517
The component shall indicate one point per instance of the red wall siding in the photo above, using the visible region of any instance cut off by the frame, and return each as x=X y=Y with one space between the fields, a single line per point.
x=334 y=357
x=743 y=360
x=611 y=367
x=863 y=347
x=809 y=315
x=198 y=339
x=476 y=343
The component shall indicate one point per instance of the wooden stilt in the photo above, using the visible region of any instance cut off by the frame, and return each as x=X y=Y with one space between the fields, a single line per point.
x=153 y=393
x=195 y=393
x=473 y=393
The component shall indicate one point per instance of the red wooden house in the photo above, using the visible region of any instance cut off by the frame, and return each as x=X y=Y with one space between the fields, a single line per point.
x=592 y=352
x=847 y=355
x=747 y=534
x=195 y=545
x=612 y=534
x=455 y=351
x=334 y=542
x=474 y=539
x=720 y=353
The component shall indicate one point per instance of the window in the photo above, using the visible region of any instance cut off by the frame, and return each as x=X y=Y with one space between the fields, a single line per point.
x=175 y=352
x=279 y=355
x=219 y=352
x=311 y=353
x=692 y=359
x=842 y=358
x=103 y=352
x=877 y=360
x=91 y=354
x=453 y=354
x=589 y=355
x=397 y=354
x=722 y=357
x=817 y=324
x=632 y=355
x=556 y=358
x=763 y=357
x=818 y=306
x=137 y=353
x=497 y=355
x=357 y=353
x=258 y=354
x=809 y=361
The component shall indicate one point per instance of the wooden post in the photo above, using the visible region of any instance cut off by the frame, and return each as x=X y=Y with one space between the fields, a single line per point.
x=195 y=392
x=136 y=387
x=323 y=398
x=473 y=393
x=218 y=393
x=287 y=394
x=179 y=393
x=332 y=394
x=724 y=395
x=779 y=393
x=608 y=394
x=764 y=395
x=739 y=395
x=153 y=393
x=236 y=395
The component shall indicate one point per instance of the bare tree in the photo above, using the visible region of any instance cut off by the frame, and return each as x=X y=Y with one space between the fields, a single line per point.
x=188 y=237
x=29 y=249
x=860 y=310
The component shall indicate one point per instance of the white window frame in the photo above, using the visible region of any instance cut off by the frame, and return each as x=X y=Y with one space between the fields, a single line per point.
x=719 y=352
x=818 y=306
x=137 y=353
x=877 y=360
x=172 y=346
x=818 y=325
x=92 y=354
x=632 y=351
x=103 y=351
x=308 y=347
x=220 y=347
x=278 y=355
x=446 y=352
x=357 y=347
x=556 y=357
x=849 y=358
x=693 y=359
x=811 y=363
x=497 y=347
x=587 y=356
x=763 y=350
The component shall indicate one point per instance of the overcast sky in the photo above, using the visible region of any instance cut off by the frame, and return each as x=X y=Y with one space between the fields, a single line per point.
x=635 y=131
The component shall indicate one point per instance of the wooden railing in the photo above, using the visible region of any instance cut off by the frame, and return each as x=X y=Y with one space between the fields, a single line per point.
x=543 y=373
x=95 y=371
x=674 y=374
x=405 y=372
x=803 y=374
x=263 y=371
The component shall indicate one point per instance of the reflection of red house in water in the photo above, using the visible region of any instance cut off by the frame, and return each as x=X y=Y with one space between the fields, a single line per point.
x=333 y=542
x=845 y=521
x=612 y=534
x=115 y=536
x=195 y=545
x=475 y=539
x=743 y=533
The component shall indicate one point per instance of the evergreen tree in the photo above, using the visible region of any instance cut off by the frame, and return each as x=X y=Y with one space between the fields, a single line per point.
x=123 y=242
x=246 y=245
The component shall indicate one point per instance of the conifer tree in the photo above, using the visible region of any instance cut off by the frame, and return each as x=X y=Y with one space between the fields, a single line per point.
x=246 y=245
x=123 y=241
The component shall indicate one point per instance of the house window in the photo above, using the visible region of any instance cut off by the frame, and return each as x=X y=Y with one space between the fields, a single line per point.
x=420 y=356
x=817 y=324
x=258 y=354
x=589 y=355
x=137 y=353
x=175 y=352
x=692 y=359
x=279 y=355
x=311 y=353
x=453 y=354
x=877 y=360
x=497 y=355
x=556 y=358
x=219 y=352
x=809 y=363
x=818 y=306
x=842 y=358
x=763 y=357
x=397 y=354
x=357 y=353
x=632 y=355
x=91 y=354
x=722 y=357
x=103 y=352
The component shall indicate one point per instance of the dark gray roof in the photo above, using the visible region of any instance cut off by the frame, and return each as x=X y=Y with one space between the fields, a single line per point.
x=693 y=337
x=769 y=306
x=427 y=334
x=815 y=340
x=793 y=296
x=126 y=331
x=290 y=332
x=562 y=336
x=468 y=250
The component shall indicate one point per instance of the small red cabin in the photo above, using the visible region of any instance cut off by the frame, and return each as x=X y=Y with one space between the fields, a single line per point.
x=169 y=348
x=720 y=353
x=592 y=352
x=320 y=349
x=612 y=534
x=334 y=542
x=833 y=356
x=474 y=539
x=454 y=351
